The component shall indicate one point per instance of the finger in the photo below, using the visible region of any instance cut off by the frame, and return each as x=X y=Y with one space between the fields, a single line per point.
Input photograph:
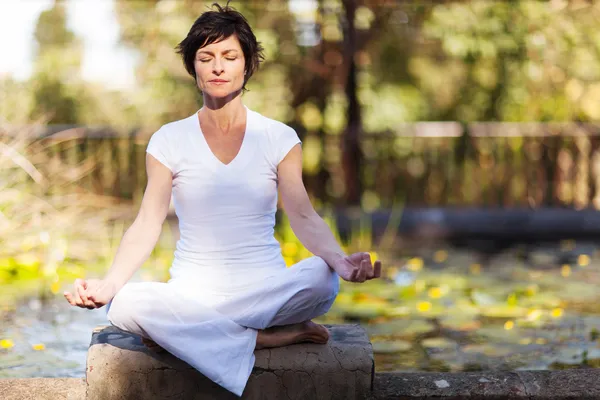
x=72 y=300
x=353 y=275
x=82 y=294
x=69 y=298
x=366 y=265
x=83 y=287
x=90 y=304
x=76 y=296
x=377 y=269
x=362 y=272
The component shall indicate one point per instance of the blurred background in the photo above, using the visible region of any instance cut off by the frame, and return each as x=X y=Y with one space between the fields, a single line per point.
x=457 y=141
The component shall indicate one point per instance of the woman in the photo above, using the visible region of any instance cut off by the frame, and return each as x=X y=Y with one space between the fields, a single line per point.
x=230 y=291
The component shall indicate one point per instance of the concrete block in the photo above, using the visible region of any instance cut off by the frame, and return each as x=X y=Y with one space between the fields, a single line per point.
x=119 y=366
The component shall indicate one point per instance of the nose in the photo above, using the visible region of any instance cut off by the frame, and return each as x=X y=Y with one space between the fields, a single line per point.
x=217 y=66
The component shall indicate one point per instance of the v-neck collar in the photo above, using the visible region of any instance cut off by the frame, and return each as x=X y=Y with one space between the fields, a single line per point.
x=211 y=158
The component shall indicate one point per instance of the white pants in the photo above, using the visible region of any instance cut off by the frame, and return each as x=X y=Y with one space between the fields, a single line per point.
x=215 y=332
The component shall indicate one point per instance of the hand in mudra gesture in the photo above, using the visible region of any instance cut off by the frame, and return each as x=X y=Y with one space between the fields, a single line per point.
x=357 y=267
x=91 y=293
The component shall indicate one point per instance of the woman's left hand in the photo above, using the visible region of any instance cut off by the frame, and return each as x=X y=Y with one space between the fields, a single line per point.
x=357 y=267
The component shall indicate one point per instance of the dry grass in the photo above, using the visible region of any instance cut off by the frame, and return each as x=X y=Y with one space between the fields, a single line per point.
x=46 y=214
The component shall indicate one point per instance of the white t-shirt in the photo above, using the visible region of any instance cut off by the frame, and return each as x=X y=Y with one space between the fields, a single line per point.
x=226 y=212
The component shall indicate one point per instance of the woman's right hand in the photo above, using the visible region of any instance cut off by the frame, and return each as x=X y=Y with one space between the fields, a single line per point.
x=92 y=293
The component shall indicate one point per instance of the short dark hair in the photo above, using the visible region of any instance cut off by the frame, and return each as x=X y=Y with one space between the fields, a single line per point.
x=213 y=26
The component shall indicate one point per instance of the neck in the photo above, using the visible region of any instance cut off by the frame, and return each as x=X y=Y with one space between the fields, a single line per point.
x=225 y=116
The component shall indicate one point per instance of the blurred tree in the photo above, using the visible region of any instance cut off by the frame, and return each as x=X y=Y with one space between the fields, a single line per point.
x=511 y=61
x=57 y=65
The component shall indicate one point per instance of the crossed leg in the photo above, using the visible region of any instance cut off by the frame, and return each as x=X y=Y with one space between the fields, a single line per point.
x=218 y=336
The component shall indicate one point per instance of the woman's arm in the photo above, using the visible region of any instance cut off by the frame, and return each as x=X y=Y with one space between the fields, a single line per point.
x=141 y=237
x=310 y=228
x=137 y=242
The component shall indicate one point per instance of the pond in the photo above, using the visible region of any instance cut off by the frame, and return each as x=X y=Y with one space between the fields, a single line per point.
x=434 y=310
x=444 y=311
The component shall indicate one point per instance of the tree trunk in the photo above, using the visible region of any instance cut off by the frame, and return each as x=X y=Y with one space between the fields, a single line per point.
x=351 y=152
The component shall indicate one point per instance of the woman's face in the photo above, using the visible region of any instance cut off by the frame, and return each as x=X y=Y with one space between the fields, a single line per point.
x=220 y=67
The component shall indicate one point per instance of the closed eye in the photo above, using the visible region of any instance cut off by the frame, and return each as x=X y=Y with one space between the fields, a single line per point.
x=208 y=59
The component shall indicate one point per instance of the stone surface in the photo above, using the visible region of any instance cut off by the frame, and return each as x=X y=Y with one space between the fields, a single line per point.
x=487 y=385
x=532 y=385
x=119 y=366
x=42 y=389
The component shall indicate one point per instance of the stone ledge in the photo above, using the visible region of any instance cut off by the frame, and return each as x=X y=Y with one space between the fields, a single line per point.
x=42 y=389
x=531 y=385
x=486 y=385
x=119 y=366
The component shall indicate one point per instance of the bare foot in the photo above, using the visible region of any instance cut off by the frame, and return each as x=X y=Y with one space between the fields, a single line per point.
x=278 y=336
x=152 y=345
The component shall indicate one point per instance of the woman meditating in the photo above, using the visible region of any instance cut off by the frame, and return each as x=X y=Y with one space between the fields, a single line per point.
x=229 y=291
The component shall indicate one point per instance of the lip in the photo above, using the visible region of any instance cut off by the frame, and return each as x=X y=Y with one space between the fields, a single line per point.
x=218 y=81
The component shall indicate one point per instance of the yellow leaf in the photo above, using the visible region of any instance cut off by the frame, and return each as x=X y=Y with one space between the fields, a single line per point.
x=583 y=260
x=534 y=314
x=415 y=264
x=6 y=343
x=290 y=249
x=55 y=287
x=509 y=325
x=557 y=312
x=440 y=256
x=532 y=289
x=424 y=306
x=565 y=270
x=39 y=346
x=435 y=292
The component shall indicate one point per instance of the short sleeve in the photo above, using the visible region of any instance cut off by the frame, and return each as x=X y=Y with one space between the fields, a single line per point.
x=285 y=140
x=158 y=148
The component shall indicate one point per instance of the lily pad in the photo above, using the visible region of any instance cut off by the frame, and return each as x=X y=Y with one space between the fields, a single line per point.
x=399 y=311
x=498 y=334
x=439 y=343
x=400 y=327
x=363 y=311
x=577 y=290
x=461 y=322
x=396 y=346
x=484 y=299
x=488 y=349
x=454 y=281
x=504 y=311
x=546 y=299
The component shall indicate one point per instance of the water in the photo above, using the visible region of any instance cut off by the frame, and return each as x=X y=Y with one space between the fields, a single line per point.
x=64 y=330
x=434 y=310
